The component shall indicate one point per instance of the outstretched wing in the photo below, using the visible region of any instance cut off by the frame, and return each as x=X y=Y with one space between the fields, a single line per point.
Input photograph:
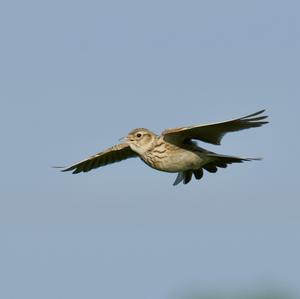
x=213 y=133
x=111 y=155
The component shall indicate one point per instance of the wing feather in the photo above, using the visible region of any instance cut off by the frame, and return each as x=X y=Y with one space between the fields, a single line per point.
x=213 y=133
x=111 y=155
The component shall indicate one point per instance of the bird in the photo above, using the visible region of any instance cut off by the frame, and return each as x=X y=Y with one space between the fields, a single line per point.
x=175 y=150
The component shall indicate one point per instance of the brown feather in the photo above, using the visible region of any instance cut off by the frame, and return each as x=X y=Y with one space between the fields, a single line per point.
x=213 y=133
x=113 y=154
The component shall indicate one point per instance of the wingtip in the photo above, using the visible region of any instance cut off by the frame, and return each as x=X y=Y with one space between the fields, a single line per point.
x=255 y=114
x=261 y=111
x=61 y=168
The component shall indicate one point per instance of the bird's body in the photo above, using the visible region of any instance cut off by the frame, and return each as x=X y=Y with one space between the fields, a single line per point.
x=175 y=149
x=185 y=157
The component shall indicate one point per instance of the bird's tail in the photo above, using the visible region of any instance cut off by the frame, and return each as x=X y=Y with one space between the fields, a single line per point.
x=219 y=161
x=230 y=159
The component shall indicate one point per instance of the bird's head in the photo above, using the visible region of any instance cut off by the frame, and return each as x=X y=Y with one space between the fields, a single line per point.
x=140 y=140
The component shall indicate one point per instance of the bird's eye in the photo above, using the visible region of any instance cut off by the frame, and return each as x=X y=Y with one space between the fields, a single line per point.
x=138 y=135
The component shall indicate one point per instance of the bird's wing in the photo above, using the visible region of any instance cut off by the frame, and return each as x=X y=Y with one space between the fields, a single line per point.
x=213 y=133
x=111 y=155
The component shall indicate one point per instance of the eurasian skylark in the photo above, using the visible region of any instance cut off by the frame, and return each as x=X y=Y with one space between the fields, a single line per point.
x=175 y=149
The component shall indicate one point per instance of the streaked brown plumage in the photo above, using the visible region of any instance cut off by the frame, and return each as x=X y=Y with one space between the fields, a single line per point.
x=174 y=150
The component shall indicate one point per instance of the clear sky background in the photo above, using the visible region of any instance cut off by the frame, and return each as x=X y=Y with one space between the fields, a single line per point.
x=78 y=75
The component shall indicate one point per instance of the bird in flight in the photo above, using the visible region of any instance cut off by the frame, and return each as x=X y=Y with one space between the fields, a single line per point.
x=175 y=150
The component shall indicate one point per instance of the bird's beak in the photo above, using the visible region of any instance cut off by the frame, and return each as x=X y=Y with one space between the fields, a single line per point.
x=124 y=139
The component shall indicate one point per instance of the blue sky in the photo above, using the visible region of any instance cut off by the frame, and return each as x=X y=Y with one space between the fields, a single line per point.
x=78 y=75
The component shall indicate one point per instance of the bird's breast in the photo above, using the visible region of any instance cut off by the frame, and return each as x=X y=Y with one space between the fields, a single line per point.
x=173 y=159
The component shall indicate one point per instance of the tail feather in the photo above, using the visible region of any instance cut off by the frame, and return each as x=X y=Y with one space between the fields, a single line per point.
x=230 y=159
x=220 y=161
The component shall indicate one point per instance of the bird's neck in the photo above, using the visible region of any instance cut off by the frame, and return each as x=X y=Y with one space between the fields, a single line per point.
x=141 y=149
